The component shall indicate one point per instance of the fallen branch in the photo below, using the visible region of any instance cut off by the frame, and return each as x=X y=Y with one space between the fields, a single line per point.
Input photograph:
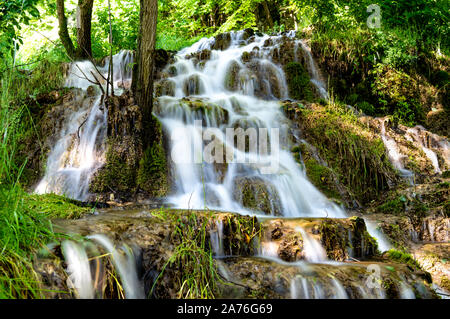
x=79 y=127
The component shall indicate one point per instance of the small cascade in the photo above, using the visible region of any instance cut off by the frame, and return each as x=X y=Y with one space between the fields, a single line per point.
x=430 y=143
x=216 y=237
x=78 y=269
x=316 y=77
x=394 y=154
x=80 y=150
x=88 y=284
x=125 y=263
x=383 y=242
x=314 y=252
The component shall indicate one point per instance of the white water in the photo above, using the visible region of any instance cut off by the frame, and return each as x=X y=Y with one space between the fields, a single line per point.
x=430 y=144
x=298 y=197
x=125 y=264
x=198 y=186
x=314 y=252
x=394 y=154
x=79 y=151
x=78 y=269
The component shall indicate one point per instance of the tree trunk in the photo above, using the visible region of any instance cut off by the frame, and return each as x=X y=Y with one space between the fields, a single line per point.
x=84 y=50
x=142 y=85
x=63 y=32
x=268 y=16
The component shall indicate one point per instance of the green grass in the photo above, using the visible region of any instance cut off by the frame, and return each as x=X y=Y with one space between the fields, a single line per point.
x=172 y=42
x=192 y=259
x=24 y=219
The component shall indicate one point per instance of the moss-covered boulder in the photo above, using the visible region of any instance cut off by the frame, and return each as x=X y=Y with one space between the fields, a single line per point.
x=354 y=153
x=192 y=108
x=222 y=41
x=256 y=194
x=232 y=76
x=129 y=168
x=193 y=85
x=165 y=87
x=298 y=81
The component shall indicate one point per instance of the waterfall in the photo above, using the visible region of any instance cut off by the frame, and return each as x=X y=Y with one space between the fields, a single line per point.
x=245 y=108
x=80 y=150
x=202 y=100
x=79 y=267
x=394 y=154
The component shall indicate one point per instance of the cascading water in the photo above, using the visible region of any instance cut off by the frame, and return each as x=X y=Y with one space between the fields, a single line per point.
x=202 y=100
x=230 y=108
x=428 y=141
x=394 y=154
x=79 y=267
x=79 y=151
x=198 y=102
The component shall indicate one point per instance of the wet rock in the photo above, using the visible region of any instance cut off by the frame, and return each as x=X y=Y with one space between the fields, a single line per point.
x=268 y=279
x=222 y=41
x=256 y=194
x=341 y=239
x=165 y=87
x=248 y=33
x=192 y=85
x=232 y=76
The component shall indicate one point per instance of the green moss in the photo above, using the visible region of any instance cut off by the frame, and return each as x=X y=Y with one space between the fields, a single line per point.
x=152 y=173
x=298 y=82
x=446 y=174
x=56 y=206
x=408 y=259
x=395 y=206
x=232 y=76
x=118 y=174
x=257 y=194
x=352 y=152
x=321 y=177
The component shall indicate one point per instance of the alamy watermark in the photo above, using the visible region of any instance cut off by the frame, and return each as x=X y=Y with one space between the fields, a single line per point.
x=197 y=145
x=374 y=20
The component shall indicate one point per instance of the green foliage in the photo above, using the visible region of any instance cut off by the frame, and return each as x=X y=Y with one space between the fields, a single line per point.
x=395 y=206
x=196 y=272
x=14 y=14
x=298 y=81
x=152 y=172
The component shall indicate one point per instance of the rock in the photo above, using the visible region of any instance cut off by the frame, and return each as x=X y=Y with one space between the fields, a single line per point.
x=256 y=194
x=268 y=279
x=340 y=238
x=222 y=41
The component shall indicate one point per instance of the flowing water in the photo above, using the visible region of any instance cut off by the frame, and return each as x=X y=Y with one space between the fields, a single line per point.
x=201 y=102
x=79 y=151
x=85 y=281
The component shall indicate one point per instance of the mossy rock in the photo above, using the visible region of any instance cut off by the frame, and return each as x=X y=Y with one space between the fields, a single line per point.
x=298 y=82
x=222 y=41
x=128 y=168
x=192 y=85
x=256 y=194
x=232 y=76
x=354 y=153
x=165 y=87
